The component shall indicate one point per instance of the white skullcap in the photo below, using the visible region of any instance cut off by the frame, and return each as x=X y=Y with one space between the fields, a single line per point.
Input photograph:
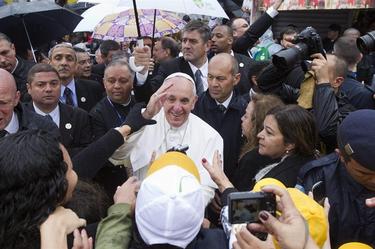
x=182 y=75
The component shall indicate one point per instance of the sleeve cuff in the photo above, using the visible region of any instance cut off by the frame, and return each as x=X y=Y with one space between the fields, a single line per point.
x=272 y=12
x=141 y=78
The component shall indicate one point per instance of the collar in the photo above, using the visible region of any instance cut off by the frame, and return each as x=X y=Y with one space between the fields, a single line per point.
x=352 y=75
x=55 y=113
x=203 y=68
x=14 y=69
x=226 y=102
x=13 y=125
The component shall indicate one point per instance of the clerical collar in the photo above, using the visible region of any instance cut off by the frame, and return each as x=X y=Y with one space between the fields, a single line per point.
x=14 y=69
x=226 y=102
x=55 y=113
x=13 y=125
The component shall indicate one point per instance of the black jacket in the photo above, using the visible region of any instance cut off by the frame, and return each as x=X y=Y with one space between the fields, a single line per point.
x=20 y=76
x=106 y=115
x=359 y=95
x=251 y=36
x=228 y=126
x=329 y=109
x=89 y=93
x=30 y=120
x=286 y=171
x=349 y=218
x=74 y=127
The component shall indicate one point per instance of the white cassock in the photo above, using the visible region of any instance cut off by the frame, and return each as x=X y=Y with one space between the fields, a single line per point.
x=201 y=138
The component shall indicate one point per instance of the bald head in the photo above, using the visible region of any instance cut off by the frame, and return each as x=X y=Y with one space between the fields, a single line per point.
x=9 y=97
x=222 y=76
x=7 y=81
x=352 y=32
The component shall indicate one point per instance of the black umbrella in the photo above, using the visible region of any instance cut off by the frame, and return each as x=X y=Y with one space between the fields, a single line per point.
x=31 y=24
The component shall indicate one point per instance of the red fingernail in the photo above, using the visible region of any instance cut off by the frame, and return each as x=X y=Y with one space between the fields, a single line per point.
x=204 y=160
x=263 y=216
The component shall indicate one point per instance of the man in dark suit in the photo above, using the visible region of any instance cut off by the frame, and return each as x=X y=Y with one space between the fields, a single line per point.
x=111 y=112
x=107 y=48
x=359 y=95
x=245 y=36
x=17 y=66
x=195 y=37
x=75 y=92
x=74 y=123
x=222 y=40
x=222 y=108
x=13 y=116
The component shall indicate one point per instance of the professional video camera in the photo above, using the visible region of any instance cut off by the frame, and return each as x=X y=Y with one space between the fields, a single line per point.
x=307 y=42
x=366 y=43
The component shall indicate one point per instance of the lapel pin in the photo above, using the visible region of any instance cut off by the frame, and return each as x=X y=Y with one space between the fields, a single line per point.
x=241 y=64
x=83 y=99
x=68 y=126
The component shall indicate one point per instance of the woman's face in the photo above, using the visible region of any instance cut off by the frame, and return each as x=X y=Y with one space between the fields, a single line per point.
x=247 y=123
x=71 y=175
x=271 y=141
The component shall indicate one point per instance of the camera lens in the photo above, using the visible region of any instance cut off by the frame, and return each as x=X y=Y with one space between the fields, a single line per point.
x=366 y=43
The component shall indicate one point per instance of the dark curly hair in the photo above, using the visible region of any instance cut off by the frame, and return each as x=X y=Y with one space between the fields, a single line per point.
x=32 y=184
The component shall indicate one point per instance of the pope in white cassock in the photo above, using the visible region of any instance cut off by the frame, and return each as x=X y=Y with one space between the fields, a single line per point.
x=171 y=107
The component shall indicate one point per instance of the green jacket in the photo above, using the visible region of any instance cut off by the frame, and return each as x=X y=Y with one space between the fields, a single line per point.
x=115 y=231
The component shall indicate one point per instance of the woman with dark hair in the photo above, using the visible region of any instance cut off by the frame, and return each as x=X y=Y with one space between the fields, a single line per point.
x=36 y=177
x=252 y=123
x=286 y=142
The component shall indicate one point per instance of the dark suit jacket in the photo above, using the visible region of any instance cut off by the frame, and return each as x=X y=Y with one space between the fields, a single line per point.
x=359 y=95
x=74 y=127
x=97 y=72
x=228 y=126
x=88 y=93
x=104 y=116
x=250 y=37
x=31 y=120
x=20 y=76
x=165 y=69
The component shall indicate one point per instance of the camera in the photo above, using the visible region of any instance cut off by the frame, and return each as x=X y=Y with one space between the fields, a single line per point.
x=366 y=43
x=244 y=207
x=307 y=42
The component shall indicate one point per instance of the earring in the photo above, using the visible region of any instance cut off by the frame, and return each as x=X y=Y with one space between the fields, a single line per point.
x=287 y=152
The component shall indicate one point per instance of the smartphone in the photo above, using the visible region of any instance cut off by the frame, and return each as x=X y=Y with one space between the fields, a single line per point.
x=319 y=192
x=244 y=207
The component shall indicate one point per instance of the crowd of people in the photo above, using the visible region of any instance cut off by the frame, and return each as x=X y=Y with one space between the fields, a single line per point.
x=141 y=150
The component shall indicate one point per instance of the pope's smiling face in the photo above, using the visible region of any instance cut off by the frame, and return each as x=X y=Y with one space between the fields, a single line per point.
x=180 y=101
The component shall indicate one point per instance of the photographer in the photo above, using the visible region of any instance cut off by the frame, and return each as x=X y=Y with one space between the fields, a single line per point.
x=328 y=104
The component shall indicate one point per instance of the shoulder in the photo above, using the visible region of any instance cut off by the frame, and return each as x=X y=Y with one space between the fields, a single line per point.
x=199 y=125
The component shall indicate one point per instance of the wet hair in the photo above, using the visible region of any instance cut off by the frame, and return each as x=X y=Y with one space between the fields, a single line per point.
x=346 y=48
x=5 y=37
x=108 y=45
x=119 y=62
x=297 y=126
x=62 y=45
x=171 y=44
x=262 y=104
x=340 y=66
x=200 y=27
x=33 y=183
x=40 y=68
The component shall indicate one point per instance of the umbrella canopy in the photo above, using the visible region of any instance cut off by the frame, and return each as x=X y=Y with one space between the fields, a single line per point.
x=122 y=26
x=188 y=7
x=44 y=21
x=95 y=14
